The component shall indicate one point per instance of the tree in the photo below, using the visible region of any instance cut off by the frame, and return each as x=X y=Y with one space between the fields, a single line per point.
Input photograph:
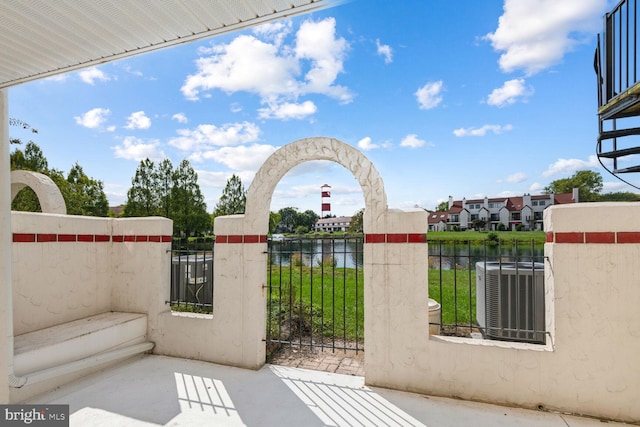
x=142 y=197
x=274 y=220
x=233 y=199
x=188 y=209
x=588 y=183
x=30 y=159
x=621 y=196
x=442 y=207
x=82 y=195
x=307 y=219
x=288 y=218
x=163 y=178
x=356 y=224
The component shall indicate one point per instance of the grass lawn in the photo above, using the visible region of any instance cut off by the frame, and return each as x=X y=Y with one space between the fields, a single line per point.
x=325 y=303
x=480 y=236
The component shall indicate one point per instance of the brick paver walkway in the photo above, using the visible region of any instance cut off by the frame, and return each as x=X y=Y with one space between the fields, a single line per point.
x=337 y=361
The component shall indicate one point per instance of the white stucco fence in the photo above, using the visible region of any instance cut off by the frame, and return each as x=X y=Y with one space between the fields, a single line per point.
x=69 y=267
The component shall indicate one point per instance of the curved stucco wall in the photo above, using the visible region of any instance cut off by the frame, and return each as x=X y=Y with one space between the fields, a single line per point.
x=49 y=196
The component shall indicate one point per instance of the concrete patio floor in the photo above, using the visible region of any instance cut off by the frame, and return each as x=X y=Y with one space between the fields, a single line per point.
x=164 y=391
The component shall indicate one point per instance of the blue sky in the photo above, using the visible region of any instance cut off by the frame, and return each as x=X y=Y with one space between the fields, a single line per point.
x=467 y=98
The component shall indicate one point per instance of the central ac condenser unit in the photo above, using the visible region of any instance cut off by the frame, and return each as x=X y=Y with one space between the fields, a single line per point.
x=510 y=301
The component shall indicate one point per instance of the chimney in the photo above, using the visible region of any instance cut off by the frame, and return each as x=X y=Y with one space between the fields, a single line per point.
x=576 y=195
x=450 y=202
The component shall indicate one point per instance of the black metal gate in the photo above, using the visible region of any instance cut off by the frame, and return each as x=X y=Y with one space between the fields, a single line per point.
x=315 y=293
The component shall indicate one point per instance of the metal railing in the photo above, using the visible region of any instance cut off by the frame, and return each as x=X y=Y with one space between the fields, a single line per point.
x=315 y=293
x=489 y=289
x=192 y=275
x=619 y=52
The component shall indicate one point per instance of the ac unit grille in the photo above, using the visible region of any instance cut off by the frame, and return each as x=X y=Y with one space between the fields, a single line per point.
x=510 y=301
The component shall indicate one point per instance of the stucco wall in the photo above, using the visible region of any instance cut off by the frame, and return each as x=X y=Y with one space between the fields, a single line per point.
x=589 y=365
x=69 y=267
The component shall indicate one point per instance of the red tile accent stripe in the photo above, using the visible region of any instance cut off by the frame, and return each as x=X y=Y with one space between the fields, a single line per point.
x=600 y=237
x=628 y=236
x=240 y=238
x=85 y=238
x=375 y=238
x=396 y=238
x=595 y=237
x=569 y=237
x=24 y=237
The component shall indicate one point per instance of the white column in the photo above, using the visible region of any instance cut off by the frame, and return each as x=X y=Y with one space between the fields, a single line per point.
x=6 y=312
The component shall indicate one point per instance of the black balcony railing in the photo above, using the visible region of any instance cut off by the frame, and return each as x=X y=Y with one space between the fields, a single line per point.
x=617 y=66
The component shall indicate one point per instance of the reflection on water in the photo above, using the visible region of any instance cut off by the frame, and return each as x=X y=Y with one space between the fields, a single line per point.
x=450 y=255
x=446 y=255
x=311 y=252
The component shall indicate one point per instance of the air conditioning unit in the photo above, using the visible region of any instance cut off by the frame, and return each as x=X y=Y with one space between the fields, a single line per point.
x=192 y=278
x=510 y=301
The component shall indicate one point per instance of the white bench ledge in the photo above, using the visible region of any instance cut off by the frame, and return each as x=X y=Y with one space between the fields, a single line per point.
x=76 y=340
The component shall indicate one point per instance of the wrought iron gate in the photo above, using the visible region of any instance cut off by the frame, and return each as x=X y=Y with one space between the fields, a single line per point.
x=315 y=293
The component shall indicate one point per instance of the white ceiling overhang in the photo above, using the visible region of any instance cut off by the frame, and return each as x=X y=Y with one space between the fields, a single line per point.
x=42 y=38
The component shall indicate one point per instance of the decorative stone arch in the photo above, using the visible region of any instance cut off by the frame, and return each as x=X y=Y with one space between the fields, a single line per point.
x=304 y=150
x=48 y=193
x=395 y=263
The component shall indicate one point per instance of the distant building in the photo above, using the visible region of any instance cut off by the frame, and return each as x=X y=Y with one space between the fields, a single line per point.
x=330 y=225
x=117 y=210
x=526 y=210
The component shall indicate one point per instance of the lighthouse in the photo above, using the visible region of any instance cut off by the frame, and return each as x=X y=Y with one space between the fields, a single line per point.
x=325 y=191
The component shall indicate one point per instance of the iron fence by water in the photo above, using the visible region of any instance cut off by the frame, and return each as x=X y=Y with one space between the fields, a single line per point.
x=491 y=289
x=316 y=293
x=192 y=275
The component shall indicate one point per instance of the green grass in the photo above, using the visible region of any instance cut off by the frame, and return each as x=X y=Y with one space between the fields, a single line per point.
x=324 y=302
x=318 y=301
x=455 y=290
x=480 y=236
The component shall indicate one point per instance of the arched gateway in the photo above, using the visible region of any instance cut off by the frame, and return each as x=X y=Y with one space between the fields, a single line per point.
x=395 y=259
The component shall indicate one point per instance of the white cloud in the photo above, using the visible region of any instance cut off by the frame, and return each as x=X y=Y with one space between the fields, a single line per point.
x=496 y=129
x=180 y=118
x=238 y=158
x=535 y=34
x=94 y=118
x=412 y=141
x=429 y=95
x=279 y=73
x=90 y=75
x=274 y=31
x=536 y=187
x=385 y=51
x=509 y=93
x=366 y=144
x=615 y=186
x=516 y=177
x=137 y=149
x=138 y=120
x=57 y=78
x=288 y=110
x=207 y=136
x=569 y=166
x=214 y=179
